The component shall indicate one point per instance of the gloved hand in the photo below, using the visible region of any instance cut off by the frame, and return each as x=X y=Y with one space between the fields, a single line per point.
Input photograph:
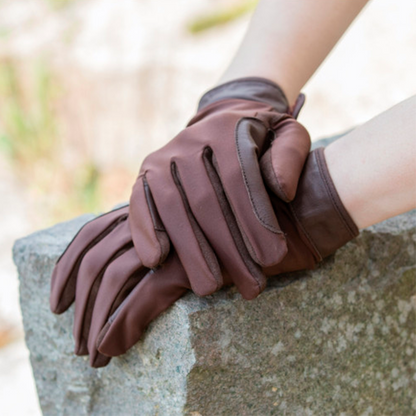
x=204 y=193
x=315 y=223
x=116 y=297
x=98 y=270
x=101 y=259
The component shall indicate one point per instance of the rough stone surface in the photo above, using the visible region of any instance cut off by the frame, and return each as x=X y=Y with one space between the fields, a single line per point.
x=340 y=340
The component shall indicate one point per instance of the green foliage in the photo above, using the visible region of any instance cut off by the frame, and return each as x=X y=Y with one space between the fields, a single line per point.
x=59 y=4
x=221 y=17
x=4 y=33
x=27 y=127
x=87 y=187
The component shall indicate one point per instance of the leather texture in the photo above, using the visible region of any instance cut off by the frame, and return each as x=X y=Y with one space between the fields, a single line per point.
x=315 y=222
x=100 y=270
x=204 y=195
x=116 y=297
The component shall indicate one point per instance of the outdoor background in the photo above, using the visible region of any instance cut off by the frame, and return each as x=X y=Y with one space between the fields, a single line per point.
x=89 y=88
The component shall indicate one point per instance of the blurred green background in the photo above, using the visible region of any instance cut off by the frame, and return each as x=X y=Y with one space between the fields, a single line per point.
x=33 y=115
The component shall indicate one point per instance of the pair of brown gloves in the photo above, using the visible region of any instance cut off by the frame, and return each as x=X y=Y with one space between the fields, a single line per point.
x=237 y=196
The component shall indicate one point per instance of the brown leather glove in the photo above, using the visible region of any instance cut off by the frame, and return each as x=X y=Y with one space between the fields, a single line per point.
x=204 y=193
x=116 y=297
x=315 y=223
x=98 y=270
x=101 y=259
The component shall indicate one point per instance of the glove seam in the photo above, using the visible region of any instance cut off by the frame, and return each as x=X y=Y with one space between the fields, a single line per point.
x=198 y=232
x=210 y=163
x=269 y=227
x=107 y=231
x=277 y=179
x=309 y=239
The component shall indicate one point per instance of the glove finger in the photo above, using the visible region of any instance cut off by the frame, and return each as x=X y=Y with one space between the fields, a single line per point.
x=65 y=273
x=243 y=185
x=283 y=162
x=158 y=290
x=193 y=249
x=147 y=230
x=210 y=206
x=120 y=278
x=90 y=273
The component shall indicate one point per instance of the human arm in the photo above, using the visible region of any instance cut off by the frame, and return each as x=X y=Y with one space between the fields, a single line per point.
x=374 y=166
x=288 y=40
x=283 y=39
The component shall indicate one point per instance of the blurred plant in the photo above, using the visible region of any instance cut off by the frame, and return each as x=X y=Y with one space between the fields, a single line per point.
x=29 y=136
x=59 y=4
x=222 y=16
x=28 y=128
x=87 y=186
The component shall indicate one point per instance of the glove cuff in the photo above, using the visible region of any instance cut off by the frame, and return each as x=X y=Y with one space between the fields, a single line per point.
x=322 y=218
x=250 y=88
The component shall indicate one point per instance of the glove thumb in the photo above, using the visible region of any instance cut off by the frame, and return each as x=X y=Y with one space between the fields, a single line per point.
x=282 y=163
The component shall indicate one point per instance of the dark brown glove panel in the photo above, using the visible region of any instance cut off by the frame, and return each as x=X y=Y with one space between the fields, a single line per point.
x=316 y=222
x=205 y=189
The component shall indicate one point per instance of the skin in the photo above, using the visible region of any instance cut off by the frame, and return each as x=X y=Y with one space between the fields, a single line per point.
x=374 y=166
x=288 y=40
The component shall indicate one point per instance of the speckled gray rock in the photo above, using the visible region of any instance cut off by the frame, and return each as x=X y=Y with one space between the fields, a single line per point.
x=340 y=340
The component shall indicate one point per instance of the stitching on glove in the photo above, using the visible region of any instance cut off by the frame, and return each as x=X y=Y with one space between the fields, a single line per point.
x=85 y=225
x=317 y=253
x=270 y=227
x=235 y=231
x=87 y=248
x=86 y=322
x=157 y=222
x=277 y=181
x=204 y=245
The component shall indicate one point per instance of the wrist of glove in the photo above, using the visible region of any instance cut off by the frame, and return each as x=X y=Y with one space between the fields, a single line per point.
x=315 y=222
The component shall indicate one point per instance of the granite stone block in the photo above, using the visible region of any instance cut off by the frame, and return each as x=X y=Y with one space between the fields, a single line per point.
x=339 y=340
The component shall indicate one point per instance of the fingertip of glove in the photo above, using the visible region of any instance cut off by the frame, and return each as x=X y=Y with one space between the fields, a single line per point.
x=81 y=349
x=253 y=294
x=99 y=361
x=279 y=252
x=102 y=344
x=151 y=249
x=156 y=256
x=59 y=305
x=55 y=307
x=270 y=178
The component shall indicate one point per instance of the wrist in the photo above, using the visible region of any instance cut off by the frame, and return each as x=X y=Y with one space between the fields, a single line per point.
x=248 y=88
x=322 y=217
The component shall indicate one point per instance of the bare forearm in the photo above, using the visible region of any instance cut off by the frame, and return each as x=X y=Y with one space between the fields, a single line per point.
x=288 y=40
x=374 y=166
